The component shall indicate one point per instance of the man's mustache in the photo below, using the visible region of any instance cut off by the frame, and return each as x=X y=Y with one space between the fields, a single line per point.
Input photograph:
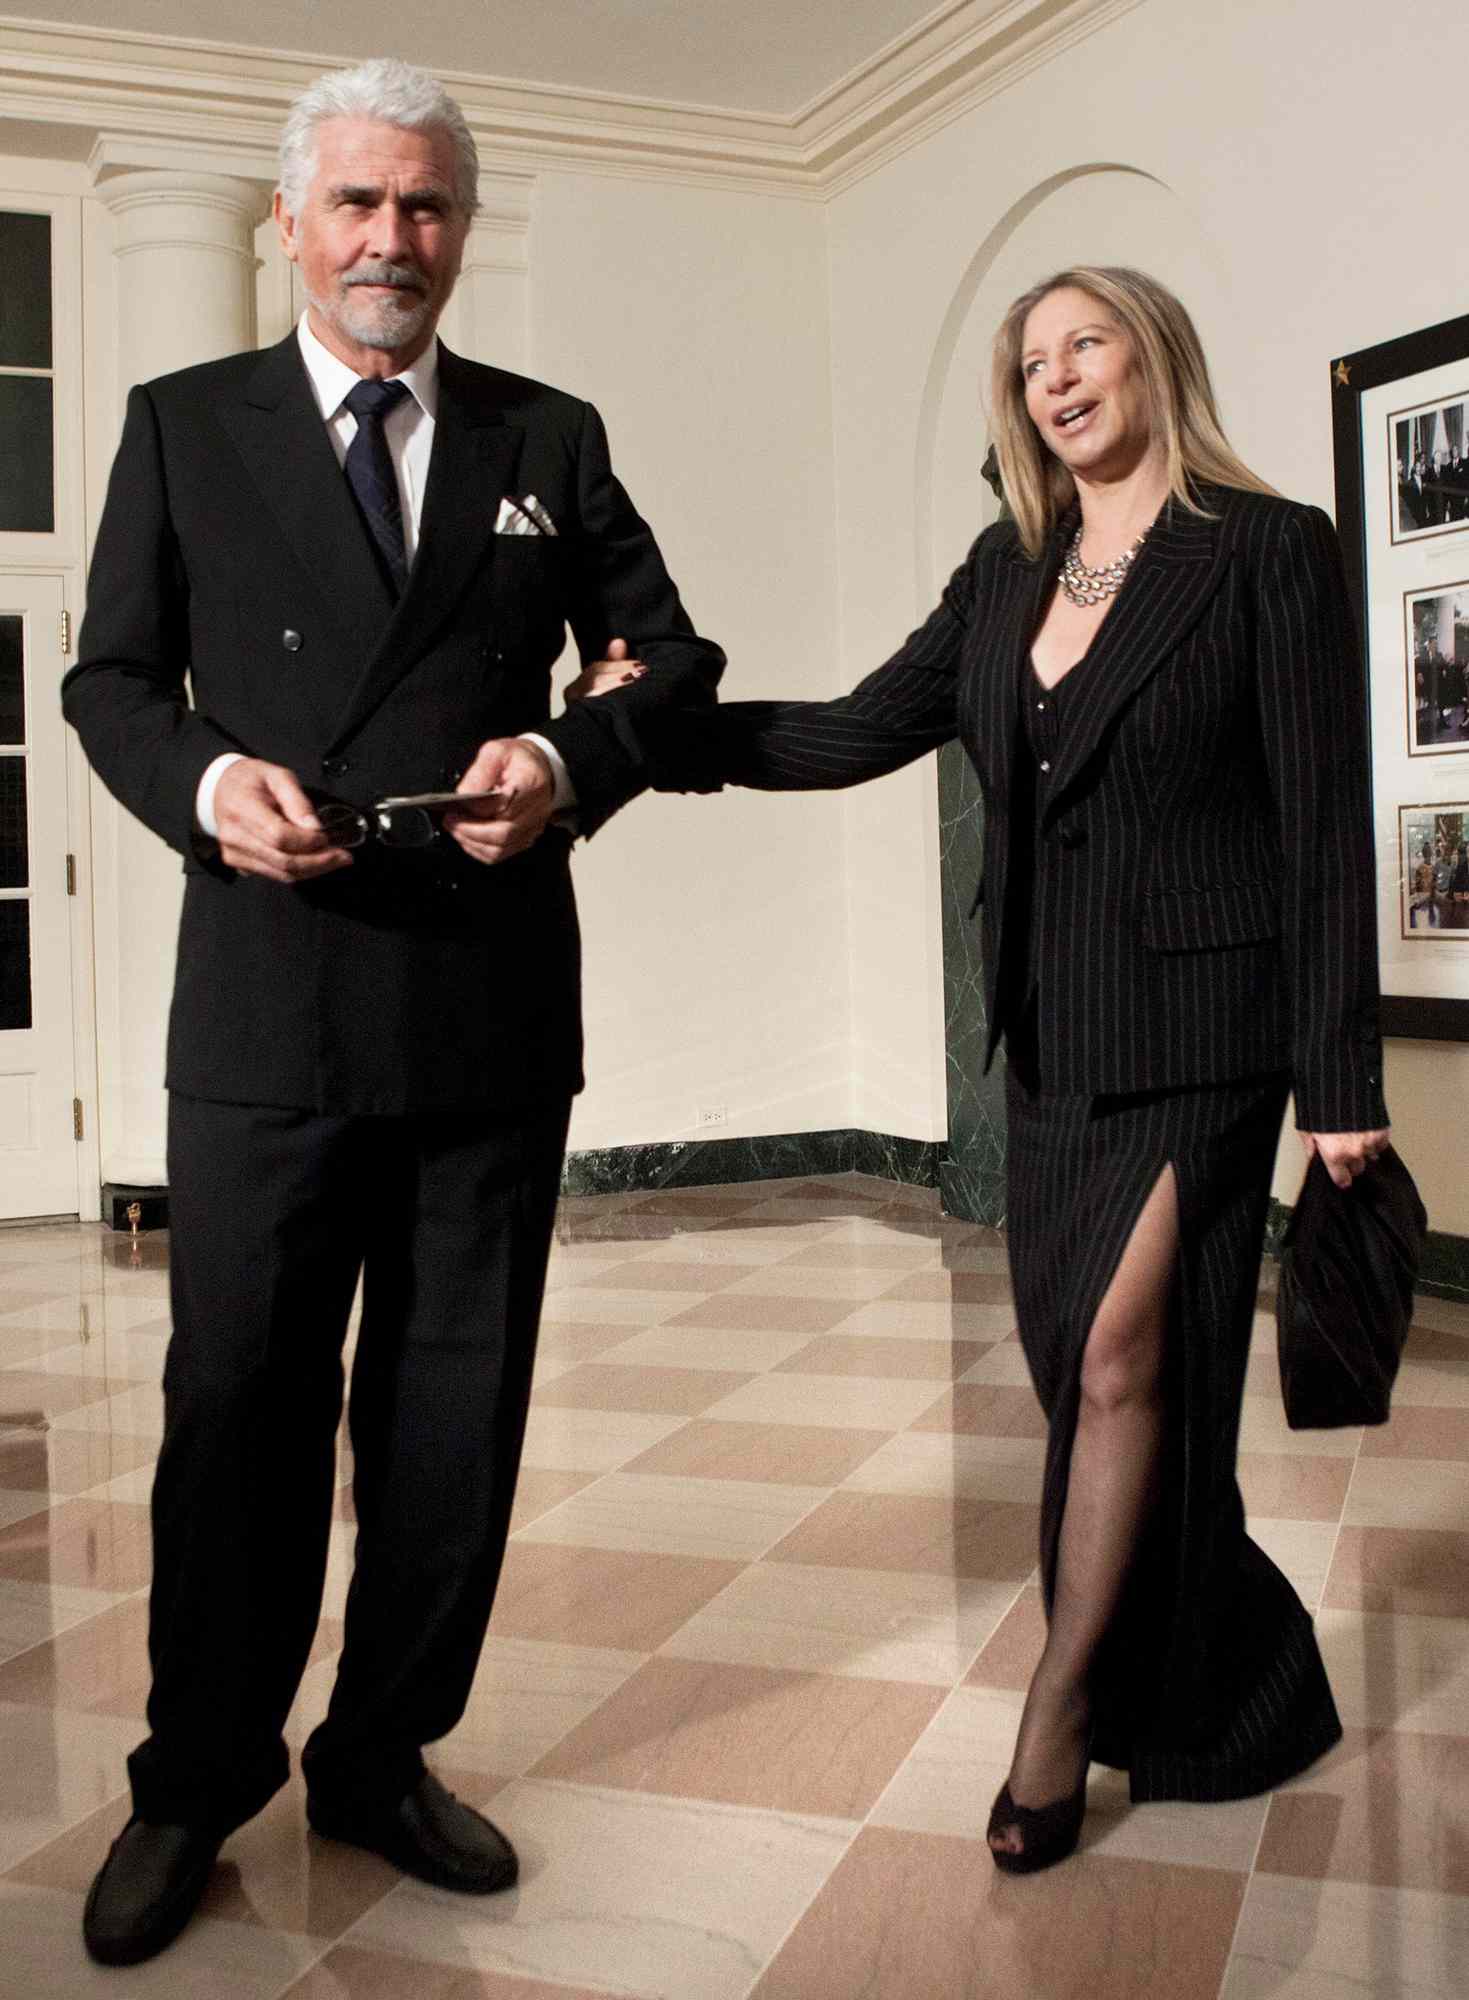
x=401 y=277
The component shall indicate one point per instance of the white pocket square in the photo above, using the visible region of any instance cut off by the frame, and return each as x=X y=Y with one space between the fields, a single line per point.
x=523 y=517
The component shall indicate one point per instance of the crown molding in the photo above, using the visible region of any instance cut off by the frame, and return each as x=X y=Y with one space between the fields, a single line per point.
x=127 y=101
x=142 y=101
x=962 y=55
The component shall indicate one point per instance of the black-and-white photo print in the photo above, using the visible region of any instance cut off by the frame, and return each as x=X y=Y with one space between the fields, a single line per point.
x=1434 y=844
x=1438 y=669
x=1431 y=464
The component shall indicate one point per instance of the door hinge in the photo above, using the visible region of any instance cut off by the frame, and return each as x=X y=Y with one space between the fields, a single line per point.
x=76 y=1118
x=71 y=874
x=66 y=635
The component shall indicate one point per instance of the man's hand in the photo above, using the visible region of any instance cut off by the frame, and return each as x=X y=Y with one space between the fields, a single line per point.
x=507 y=825
x=267 y=825
x=1345 y=1154
x=616 y=671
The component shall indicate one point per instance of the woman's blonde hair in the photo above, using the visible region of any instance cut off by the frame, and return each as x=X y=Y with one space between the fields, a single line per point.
x=1176 y=382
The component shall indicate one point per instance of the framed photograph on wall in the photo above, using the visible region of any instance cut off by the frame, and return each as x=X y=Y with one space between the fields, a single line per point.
x=1433 y=870
x=1401 y=436
x=1430 y=491
x=1436 y=669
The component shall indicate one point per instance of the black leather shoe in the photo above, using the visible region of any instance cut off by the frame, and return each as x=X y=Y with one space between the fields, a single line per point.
x=1047 y=1833
x=430 y=1834
x=146 y=1891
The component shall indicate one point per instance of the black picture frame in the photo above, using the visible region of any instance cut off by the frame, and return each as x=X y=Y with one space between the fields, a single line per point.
x=1353 y=376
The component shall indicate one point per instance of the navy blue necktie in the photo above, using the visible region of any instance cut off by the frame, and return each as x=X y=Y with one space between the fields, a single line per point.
x=369 y=469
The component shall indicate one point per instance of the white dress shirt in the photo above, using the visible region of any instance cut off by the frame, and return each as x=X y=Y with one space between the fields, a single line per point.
x=408 y=429
x=409 y=433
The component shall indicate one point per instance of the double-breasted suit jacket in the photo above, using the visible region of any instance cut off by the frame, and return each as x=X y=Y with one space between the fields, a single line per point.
x=231 y=552
x=1202 y=894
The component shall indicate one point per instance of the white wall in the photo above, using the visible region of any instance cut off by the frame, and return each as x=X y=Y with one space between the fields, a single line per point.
x=1319 y=226
x=715 y=929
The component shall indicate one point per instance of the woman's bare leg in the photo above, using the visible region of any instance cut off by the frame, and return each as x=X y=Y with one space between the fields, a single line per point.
x=1110 y=1491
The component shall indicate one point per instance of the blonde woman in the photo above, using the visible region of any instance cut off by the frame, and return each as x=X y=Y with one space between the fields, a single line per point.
x=1154 y=672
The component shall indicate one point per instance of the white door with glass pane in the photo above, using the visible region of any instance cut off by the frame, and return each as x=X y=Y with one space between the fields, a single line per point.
x=38 y=1150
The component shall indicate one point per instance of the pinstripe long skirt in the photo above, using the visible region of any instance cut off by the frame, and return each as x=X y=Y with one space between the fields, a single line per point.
x=1210 y=1684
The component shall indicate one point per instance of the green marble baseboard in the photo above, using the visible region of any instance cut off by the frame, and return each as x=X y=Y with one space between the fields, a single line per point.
x=778 y=1156
x=975 y=1193
x=1444 y=1273
x=972 y=1185
x=701 y=1163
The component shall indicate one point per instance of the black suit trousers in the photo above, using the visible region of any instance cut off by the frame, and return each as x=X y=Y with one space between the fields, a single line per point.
x=447 y=1218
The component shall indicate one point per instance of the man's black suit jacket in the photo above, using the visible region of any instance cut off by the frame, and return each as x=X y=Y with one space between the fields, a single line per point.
x=230 y=552
x=1203 y=880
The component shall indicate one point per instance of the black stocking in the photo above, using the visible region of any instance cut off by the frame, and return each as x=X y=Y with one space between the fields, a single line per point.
x=1110 y=1490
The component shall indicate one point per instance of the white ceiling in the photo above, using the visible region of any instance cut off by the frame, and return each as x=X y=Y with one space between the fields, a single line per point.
x=771 y=56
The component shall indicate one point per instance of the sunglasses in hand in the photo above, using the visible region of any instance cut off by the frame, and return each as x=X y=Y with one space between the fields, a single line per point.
x=412 y=820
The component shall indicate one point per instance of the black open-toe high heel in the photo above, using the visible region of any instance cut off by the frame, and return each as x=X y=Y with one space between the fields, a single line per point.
x=1048 y=1833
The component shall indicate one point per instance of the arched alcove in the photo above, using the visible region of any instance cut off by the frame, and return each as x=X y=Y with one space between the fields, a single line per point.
x=1102 y=213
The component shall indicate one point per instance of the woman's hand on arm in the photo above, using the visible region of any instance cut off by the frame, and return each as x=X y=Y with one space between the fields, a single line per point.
x=1345 y=1154
x=601 y=676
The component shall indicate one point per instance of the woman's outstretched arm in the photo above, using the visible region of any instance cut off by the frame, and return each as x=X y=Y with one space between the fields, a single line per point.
x=905 y=707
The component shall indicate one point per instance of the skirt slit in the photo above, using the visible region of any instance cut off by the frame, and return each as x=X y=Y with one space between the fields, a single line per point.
x=1102 y=1261
x=1209 y=1684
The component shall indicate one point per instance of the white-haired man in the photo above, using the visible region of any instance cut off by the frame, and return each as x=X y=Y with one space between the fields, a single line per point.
x=363 y=551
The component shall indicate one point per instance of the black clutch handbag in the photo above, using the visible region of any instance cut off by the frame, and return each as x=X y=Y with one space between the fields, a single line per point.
x=1348 y=1262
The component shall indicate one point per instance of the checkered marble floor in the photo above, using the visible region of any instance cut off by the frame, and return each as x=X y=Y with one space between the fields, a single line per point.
x=758 y=1653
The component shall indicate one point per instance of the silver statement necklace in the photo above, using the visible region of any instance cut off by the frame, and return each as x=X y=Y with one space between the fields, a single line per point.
x=1083 y=586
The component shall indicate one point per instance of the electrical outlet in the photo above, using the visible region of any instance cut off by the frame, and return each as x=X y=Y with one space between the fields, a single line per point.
x=708 y=1115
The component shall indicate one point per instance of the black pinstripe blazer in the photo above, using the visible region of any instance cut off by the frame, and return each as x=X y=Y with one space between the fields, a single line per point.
x=1203 y=884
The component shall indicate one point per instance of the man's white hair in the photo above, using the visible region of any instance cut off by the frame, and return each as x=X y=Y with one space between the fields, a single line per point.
x=395 y=92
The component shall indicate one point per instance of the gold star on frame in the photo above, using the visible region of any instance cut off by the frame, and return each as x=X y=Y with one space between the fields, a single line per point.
x=1343 y=374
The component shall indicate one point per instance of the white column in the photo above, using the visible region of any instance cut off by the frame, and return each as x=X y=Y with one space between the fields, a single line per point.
x=488 y=318
x=185 y=247
x=185 y=289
